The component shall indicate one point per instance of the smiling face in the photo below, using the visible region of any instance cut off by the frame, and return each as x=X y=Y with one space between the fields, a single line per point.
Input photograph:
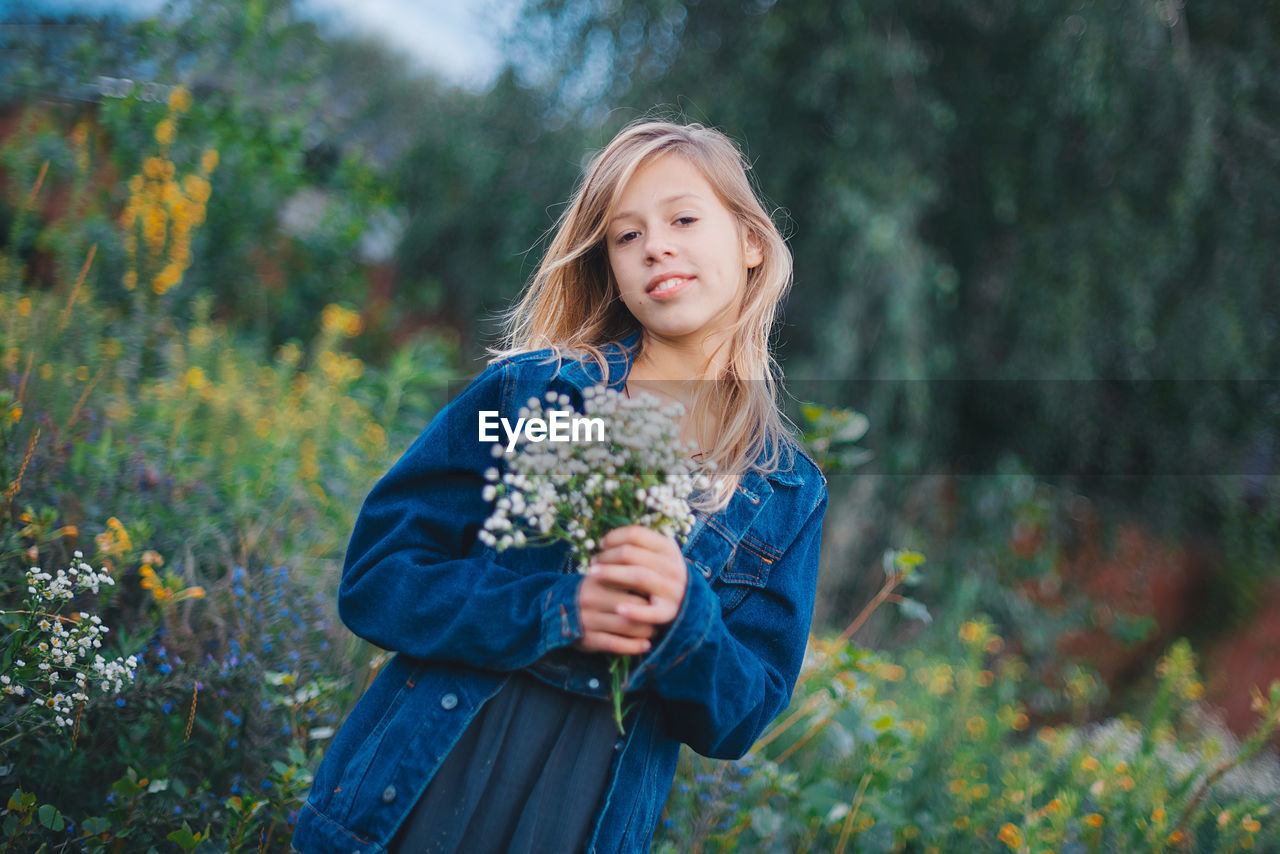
x=678 y=255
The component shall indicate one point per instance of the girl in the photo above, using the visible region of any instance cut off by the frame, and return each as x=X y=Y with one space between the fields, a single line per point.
x=490 y=729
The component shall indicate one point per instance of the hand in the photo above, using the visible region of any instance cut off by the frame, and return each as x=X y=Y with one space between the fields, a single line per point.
x=635 y=584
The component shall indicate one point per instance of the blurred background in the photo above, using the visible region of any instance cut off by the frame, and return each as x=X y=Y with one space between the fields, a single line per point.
x=245 y=246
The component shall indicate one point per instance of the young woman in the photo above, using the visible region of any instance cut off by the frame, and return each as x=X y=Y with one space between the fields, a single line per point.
x=490 y=729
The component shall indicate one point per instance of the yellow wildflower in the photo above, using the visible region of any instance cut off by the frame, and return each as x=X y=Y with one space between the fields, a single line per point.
x=167 y=278
x=961 y=823
x=209 y=161
x=1177 y=837
x=1010 y=835
x=1158 y=815
x=1090 y=764
x=343 y=321
x=1250 y=824
x=196 y=188
x=150 y=581
x=1093 y=820
x=24 y=307
x=971 y=632
x=180 y=99
x=977 y=727
x=195 y=378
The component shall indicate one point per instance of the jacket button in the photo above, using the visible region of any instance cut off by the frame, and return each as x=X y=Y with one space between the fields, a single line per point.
x=388 y=794
x=448 y=701
x=618 y=745
x=593 y=683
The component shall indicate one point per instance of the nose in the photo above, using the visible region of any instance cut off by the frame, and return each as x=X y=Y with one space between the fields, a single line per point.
x=657 y=245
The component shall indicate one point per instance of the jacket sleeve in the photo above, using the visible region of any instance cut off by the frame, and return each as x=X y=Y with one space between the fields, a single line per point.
x=416 y=580
x=723 y=678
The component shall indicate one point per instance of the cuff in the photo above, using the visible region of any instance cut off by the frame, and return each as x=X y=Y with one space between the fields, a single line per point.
x=561 y=624
x=693 y=622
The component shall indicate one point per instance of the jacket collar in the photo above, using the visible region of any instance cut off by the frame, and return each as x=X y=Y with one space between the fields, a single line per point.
x=620 y=356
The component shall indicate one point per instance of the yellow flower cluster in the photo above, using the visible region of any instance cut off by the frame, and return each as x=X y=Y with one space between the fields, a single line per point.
x=168 y=589
x=165 y=210
x=115 y=540
x=339 y=369
x=342 y=321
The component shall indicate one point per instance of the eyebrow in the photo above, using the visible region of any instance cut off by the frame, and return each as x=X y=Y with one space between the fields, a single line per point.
x=668 y=200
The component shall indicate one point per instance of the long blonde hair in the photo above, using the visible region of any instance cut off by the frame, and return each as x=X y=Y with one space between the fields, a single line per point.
x=572 y=304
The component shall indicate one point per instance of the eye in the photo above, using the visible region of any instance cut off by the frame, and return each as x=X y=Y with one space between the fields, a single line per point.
x=626 y=237
x=687 y=220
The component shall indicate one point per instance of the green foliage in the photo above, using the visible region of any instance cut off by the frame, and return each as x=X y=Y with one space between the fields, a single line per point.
x=972 y=193
x=1039 y=229
x=160 y=442
x=941 y=755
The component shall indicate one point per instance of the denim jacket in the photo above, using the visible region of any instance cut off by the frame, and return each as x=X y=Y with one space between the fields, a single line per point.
x=461 y=617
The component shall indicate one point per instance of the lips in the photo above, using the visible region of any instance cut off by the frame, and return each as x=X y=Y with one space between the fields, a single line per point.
x=667 y=283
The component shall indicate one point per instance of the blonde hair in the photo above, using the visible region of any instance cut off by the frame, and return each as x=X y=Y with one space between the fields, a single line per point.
x=572 y=304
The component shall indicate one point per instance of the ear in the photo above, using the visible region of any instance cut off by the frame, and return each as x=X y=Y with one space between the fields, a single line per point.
x=752 y=251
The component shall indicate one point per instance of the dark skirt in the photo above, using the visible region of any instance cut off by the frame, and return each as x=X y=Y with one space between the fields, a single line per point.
x=526 y=777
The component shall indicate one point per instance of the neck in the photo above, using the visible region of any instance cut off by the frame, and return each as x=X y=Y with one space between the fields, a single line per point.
x=678 y=362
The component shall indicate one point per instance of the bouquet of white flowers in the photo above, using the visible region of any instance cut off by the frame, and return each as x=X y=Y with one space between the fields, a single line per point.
x=636 y=473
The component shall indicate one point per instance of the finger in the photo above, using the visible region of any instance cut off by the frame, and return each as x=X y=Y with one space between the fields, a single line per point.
x=617 y=625
x=628 y=553
x=640 y=580
x=616 y=644
x=597 y=594
x=661 y=612
x=638 y=535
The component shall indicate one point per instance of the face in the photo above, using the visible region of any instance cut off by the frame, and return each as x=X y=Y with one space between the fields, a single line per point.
x=678 y=254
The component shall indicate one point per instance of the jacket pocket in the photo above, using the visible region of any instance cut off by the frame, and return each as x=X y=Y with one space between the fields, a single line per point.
x=748 y=570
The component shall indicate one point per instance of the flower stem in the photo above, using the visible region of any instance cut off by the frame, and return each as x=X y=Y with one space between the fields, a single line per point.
x=619 y=670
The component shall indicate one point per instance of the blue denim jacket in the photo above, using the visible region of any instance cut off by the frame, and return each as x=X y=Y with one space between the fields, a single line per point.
x=461 y=617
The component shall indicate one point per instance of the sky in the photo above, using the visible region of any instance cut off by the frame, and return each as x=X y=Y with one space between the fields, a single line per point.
x=456 y=38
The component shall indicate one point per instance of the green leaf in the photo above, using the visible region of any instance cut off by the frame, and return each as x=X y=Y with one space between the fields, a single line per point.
x=184 y=838
x=95 y=824
x=50 y=817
